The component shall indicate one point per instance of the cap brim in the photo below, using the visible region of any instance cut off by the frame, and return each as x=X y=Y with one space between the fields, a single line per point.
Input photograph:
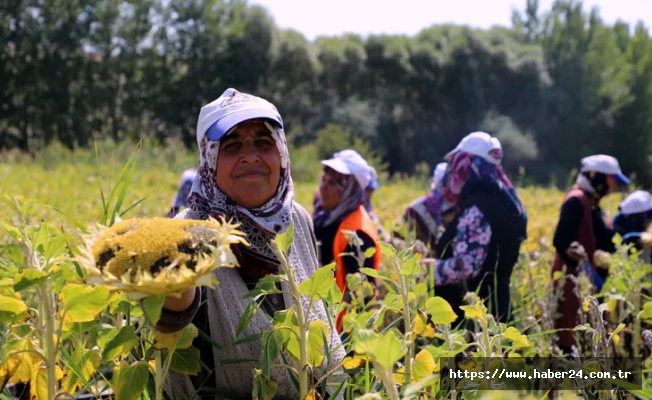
x=450 y=154
x=338 y=165
x=622 y=179
x=221 y=127
x=373 y=185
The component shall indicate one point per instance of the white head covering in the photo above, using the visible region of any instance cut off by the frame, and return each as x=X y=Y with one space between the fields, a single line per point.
x=480 y=144
x=206 y=199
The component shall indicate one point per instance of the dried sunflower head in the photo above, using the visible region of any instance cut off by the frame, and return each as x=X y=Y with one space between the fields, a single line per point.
x=159 y=256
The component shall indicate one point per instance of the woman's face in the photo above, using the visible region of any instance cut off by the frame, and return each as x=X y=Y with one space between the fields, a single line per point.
x=612 y=184
x=249 y=165
x=330 y=189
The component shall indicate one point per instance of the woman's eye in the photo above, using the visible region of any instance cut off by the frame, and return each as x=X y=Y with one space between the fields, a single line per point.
x=232 y=146
x=264 y=143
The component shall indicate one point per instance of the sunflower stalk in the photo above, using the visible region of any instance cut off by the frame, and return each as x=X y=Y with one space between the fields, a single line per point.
x=406 y=318
x=46 y=318
x=450 y=348
x=50 y=351
x=302 y=322
x=159 y=378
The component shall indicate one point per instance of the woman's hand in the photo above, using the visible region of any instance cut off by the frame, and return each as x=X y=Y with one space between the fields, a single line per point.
x=420 y=248
x=646 y=239
x=182 y=303
x=576 y=252
x=601 y=259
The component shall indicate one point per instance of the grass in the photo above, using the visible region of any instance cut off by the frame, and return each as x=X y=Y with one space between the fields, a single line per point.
x=58 y=179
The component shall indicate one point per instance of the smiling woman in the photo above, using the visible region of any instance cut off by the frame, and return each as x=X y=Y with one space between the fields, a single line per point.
x=244 y=176
x=248 y=169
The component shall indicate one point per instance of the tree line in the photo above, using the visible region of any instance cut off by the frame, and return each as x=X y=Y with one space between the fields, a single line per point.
x=557 y=85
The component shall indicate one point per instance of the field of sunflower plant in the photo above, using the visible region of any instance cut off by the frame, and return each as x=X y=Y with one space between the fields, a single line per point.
x=78 y=301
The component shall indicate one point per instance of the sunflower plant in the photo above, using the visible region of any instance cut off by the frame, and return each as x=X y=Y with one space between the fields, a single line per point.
x=70 y=319
x=292 y=333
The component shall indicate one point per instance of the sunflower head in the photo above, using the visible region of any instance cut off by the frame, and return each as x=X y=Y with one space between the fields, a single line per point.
x=159 y=255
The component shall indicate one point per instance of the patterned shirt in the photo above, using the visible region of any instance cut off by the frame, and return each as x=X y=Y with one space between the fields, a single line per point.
x=470 y=249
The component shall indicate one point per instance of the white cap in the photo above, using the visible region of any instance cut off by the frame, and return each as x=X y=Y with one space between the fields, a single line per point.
x=637 y=202
x=349 y=162
x=187 y=176
x=606 y=165
x=438 y=174
x=373 y=175
x=219 y=117
x=480 y=144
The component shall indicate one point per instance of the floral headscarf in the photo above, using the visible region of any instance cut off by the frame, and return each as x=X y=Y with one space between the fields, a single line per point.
x=260 y=224
x=465 y=168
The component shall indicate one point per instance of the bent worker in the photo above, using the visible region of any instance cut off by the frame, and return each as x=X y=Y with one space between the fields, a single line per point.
x=583 y=234
x=480 y=247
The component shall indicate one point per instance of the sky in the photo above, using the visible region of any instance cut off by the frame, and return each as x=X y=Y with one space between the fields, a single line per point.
x=333 y=17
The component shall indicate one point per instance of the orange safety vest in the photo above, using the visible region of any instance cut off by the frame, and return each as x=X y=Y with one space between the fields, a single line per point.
x=358 y=220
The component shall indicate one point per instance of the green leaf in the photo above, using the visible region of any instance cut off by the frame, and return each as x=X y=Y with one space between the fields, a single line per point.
x=320 y=284
x=387 y=249
x=420 y=289
x=153 y=305
x=29 y=277
x=374 y=274
x=317 y=330
x=411 y=267
x=55 y=247
x=618 y=329
x=13 y=232
x=272 y=345
x=82 y=303
x=105 y=335
x=285 y=240
x=129 y=381
x=264 y=388
x=334 y=295
x=440 y=311
x=646 y=314
x=78 y=371
x=393 y=302
x=186 y=361
x=41 y=238
x=247 y=316
x=370 y=252
x=178 y=340
x=122 y=343
x=365 y=341
x=477 y=311
x=519 y=340
x=265 y=286
x=79 y=328
x=60 y=275
x=12 y=306
x=390 y=349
